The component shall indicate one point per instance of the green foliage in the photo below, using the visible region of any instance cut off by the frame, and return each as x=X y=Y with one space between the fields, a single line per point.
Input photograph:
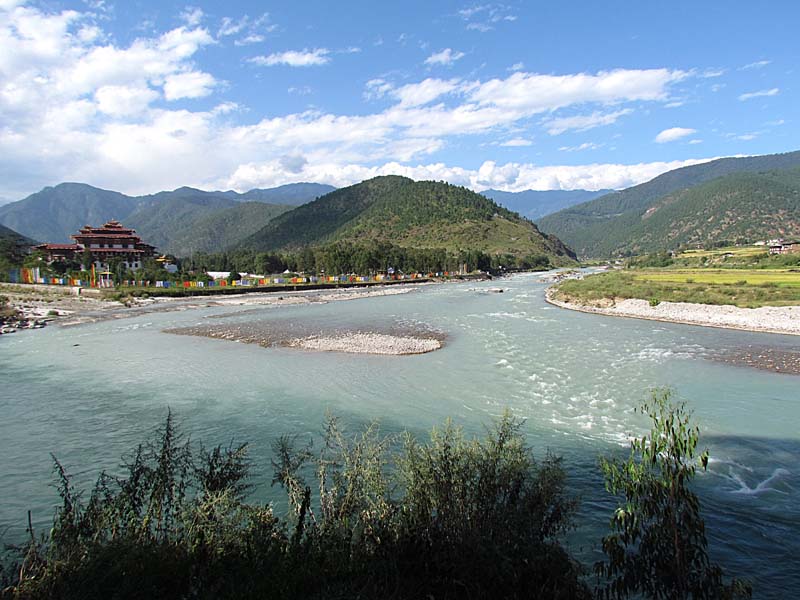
x=422 y=214
x=656 y=260
x=659 y=214
x=658 y=545
x=199 y=222
x=632 y=284
x=477 y=518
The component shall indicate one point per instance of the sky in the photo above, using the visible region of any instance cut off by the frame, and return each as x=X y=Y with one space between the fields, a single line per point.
x=146 y=95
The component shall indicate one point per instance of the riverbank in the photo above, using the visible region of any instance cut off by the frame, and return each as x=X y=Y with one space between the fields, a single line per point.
x=766 y=319
x=67 y=307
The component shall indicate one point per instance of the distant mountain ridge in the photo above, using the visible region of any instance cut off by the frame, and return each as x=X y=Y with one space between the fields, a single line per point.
x=55 y=213
x=535 y=204
x=737 y=208
x=601 y=226
x=407 y=213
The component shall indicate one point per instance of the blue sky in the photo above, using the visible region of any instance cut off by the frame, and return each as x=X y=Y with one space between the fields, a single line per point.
x=140 y=96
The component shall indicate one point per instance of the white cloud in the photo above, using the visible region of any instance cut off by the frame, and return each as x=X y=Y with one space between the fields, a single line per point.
x=294 y=58
x=483 y=17
x=512 y=177
x=673 y=133
x=377 y=88
x=520 y=66
x=119 y=105
x=756 y=65
x=584 y=122
x=695 y=141
x=250 y=39
x=516 y=142
x=539 y=93
x=584 y=146
x=230 y=26
x=193 y=16
x=759 y=94
x=192 y=84
x=446 y=57
x=123 y=101
x=417 y=94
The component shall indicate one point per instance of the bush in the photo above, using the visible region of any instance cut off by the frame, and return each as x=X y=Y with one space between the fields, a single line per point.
x=658 y=546
x=654 y=302
x=477 y=518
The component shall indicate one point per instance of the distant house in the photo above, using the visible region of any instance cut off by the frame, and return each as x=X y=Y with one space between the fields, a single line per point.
x=111 y=241
x=784 y=247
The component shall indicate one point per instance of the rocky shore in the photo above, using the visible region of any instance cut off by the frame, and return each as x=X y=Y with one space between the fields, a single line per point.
x=12 y=324
x=367 y=343
x=395 y=341
x=767 y=319
x=70 y=306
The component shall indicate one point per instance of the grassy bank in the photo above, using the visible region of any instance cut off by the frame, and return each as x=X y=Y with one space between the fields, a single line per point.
x=744 y=288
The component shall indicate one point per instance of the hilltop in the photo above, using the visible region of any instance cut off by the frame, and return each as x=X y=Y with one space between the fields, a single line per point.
x=603 y=226
x=411 y=214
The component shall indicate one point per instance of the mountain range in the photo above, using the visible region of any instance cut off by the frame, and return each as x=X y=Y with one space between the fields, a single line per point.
x=166 y=218
x=609 y=225
x=407 y=213
x=535 y=204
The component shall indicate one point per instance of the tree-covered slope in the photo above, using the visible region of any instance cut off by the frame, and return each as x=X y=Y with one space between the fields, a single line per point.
x=743 y=207
x=410 y=214
x=597 y=227
x=535 y=204
x=159 y=220
x=55 y=213
x=222 y=229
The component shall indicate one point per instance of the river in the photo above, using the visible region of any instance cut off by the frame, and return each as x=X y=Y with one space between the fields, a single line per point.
x=90 y=393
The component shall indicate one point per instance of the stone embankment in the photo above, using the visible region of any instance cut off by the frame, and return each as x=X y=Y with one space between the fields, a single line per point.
x=768 y=319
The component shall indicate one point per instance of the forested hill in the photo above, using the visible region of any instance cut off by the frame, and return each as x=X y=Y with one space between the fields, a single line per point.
x=180 y=221
x=743 y=207
x=423 y=214
x=596 y=228
x=12 y=249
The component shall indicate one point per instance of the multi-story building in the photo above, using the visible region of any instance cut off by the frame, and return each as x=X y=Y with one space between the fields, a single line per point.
x=105 y=243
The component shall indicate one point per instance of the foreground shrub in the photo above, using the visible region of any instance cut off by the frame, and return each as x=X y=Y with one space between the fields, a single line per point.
x=448 y=518
x=658 y=545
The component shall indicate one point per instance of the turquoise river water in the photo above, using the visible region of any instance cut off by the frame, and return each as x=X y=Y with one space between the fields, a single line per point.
x=90 y=393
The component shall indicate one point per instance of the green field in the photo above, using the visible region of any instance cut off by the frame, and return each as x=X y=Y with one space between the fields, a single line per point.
x=735 y=251
x=779 y=277
x=748 y=288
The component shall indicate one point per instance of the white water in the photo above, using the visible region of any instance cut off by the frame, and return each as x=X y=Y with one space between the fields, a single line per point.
x=91 y=393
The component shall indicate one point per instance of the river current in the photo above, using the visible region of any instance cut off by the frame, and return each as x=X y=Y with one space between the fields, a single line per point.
x=90 y=393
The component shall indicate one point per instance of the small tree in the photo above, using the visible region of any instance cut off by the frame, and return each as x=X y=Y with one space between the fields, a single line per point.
x=658 y=547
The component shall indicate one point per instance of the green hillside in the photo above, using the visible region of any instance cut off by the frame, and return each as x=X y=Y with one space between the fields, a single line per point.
x=218 y=230
x=160 y=220
x=55 y=213
x=423 y=214
x=743 y=207
x=12 y=250
x=599 y=227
